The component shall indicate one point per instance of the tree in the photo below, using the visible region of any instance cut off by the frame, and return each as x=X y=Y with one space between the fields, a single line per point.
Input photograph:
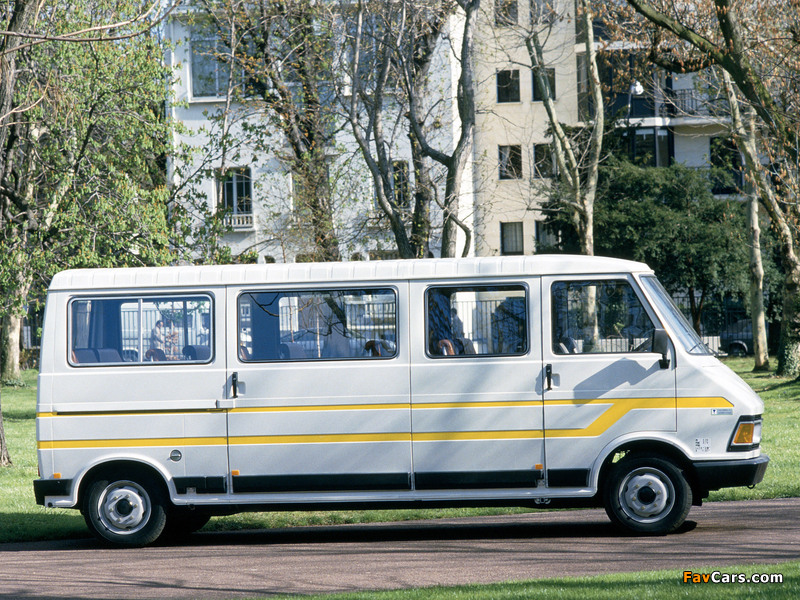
x=669 y=218
x=758 y=45
x=387 y=59
x=280 y=54
x=577 y=151
x=455 y=161
x=81 y=181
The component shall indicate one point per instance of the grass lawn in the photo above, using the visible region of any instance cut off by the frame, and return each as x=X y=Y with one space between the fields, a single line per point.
x=22 y=520
x=649 y=584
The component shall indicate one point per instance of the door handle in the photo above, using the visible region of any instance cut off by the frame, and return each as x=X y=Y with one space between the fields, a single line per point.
x=235 y=385
x=548 y=374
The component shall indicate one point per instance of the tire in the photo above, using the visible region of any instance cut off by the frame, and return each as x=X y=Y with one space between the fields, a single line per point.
x=125 y=512
x=647 y=495
x=738 y=350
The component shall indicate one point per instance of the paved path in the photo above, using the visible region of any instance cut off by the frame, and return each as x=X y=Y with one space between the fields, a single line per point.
x=398 y=555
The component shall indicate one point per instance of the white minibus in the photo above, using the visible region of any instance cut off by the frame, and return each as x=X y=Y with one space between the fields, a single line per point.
x=169 y=395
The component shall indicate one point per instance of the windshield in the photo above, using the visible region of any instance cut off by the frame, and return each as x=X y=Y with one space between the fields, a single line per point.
x=681 y=327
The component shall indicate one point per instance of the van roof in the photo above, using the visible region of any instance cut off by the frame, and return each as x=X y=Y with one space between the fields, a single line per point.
x=202 y=276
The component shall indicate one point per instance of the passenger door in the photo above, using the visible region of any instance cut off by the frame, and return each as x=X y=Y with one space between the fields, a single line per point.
x=320 y=401
x=475 y=385
x=604 y=382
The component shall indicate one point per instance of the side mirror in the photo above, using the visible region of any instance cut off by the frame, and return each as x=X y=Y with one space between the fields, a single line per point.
x=661 y=346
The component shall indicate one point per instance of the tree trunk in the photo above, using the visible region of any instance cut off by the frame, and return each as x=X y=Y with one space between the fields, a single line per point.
x=760 y=353
x=12 y=326
x=789 y=351
x=5 y=457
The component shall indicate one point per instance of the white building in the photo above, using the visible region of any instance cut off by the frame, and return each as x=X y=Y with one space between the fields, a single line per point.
x=511 y=170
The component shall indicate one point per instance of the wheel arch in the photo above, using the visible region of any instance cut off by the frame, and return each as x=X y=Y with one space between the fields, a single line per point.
x=648 y=447
x=121 y=467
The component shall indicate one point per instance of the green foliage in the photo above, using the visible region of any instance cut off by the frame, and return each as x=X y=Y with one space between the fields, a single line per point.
x=668 y=218
x=88 y=164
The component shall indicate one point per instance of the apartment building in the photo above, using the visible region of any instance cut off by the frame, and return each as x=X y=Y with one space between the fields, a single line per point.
x=511 y=170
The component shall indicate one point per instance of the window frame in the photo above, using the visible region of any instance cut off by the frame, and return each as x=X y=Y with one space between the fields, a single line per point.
x=510 y=88
x=503 y=226
x=550 y=74
x=479 y=286
x=244 y=174
x=321 y=290
x=597 y=279
x=140 y=298
x=537 y=172
x=507 y=169
x=504 y=14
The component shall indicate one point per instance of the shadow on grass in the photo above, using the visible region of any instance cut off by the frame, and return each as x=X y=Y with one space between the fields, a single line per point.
x=23 y=528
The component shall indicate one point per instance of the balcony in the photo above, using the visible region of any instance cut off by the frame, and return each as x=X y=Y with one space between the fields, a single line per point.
x=694 y=103
x=240 y=222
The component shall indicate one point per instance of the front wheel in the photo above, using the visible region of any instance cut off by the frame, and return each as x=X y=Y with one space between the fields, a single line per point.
x=125 y=512
x=647 y=494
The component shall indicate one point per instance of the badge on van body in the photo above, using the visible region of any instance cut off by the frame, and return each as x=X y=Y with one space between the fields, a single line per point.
x=721 y=411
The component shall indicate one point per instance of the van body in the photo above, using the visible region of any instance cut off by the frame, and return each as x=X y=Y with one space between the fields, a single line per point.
x=167 y=395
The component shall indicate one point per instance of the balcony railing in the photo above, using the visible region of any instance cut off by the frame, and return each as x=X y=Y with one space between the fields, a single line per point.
x=240 y=222
x=695 y=103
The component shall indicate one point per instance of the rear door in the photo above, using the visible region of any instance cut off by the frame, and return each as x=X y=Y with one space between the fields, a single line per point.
x=605 y=382
x=144 y=375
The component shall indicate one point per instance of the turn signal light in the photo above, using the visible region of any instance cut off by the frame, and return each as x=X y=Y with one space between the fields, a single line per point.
x=744 y=433
x=747 y=435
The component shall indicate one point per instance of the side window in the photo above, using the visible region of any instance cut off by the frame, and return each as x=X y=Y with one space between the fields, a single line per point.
x=175 y=329
x=317 y=325
x=476 y=320
x=599 y=316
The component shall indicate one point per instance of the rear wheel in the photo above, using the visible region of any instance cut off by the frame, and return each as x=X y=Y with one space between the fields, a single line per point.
x=647 y=494
x=125 y=512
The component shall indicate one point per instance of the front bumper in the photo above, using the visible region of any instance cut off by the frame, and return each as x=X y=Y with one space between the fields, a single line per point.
x=718 y=474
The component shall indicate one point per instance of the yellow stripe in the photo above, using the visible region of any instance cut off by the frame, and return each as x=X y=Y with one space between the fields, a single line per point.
x=320 y=439
x=320 y=407
x=611 y=415
x=132 y=443
x=617 y=408
x=441 y=436
x=710 y=402
x=507 y=404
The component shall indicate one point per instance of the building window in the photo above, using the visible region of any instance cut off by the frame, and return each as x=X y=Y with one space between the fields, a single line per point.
x=510 y=162
x=542 y=11
x=400 y=183
x=210 y=70
x=550 y=76
x=235 y=193
x=506 y=13
x=508 y=86
x=511 y=239
x=543 y=163
x=650 y=147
